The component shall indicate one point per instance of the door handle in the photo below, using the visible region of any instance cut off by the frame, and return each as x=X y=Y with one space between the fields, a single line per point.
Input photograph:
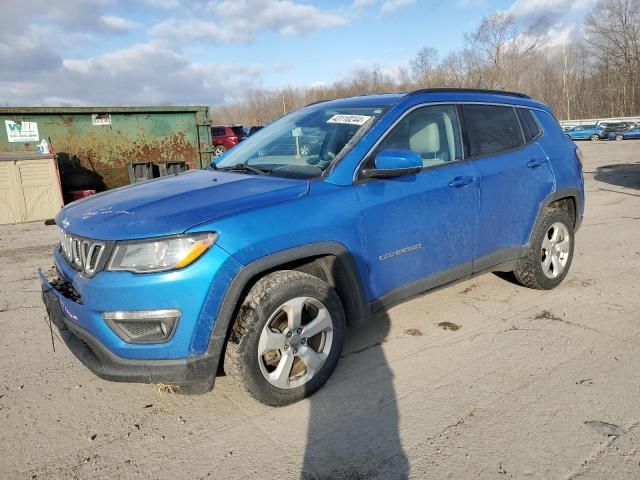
x=536 y=162
x=460 y=182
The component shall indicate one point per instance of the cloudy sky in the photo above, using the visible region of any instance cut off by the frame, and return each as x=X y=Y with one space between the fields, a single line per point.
x=120 y=52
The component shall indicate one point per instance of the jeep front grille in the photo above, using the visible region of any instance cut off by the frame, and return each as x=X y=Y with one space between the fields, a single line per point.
x=82 y=254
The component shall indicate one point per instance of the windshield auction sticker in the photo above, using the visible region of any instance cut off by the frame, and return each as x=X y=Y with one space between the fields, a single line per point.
x=349 y=119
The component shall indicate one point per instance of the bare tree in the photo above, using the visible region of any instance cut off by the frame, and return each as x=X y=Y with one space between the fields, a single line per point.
x=423 y=65
x=613 y=34
x=599 y=77
x=503 y=47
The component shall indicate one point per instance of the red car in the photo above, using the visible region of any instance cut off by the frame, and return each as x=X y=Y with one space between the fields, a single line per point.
x=225 y=137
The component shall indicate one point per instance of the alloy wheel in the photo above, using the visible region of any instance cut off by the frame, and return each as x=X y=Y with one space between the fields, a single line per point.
x=556 y=246
x=295 y=342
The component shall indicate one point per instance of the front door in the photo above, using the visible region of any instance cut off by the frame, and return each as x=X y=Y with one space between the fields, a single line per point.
x=421 y=229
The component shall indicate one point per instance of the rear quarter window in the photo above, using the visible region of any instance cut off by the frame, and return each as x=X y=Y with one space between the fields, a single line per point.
x=491 y=129
x=530 y=127
x=217 y=132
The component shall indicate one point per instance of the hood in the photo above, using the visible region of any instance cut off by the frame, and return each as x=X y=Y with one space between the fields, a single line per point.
x=171 y=205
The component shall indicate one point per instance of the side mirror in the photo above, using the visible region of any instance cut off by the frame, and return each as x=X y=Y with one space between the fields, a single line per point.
x=394 y=163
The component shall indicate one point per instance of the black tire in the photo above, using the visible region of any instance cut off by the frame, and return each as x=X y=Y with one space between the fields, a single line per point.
x=219 y=150
x=619 y=137
x=529 y=271
x=595 y=138
x=265 y=297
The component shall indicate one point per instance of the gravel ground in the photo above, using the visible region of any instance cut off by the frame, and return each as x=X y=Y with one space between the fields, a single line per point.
x=484 y=379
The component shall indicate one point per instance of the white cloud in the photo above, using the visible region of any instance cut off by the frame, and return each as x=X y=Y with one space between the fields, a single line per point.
x=392 y=5
x=243 y=20
x=196 y=29
x=357 y=4
x=36 y=68
x=142 y=74
x=539 y=8
x=163 y=3
x=561 y=34
x=44 y=45
x=118 y=24
x=471 y=3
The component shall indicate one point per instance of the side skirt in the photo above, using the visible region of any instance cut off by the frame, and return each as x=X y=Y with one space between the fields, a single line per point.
x=501 y=261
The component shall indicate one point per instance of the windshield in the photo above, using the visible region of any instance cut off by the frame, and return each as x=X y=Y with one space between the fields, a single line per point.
x=302 y=144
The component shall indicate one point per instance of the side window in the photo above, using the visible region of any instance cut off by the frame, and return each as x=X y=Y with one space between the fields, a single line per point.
x=529 y=125
x=217 y=131
x=491 y=129
x=433 y=132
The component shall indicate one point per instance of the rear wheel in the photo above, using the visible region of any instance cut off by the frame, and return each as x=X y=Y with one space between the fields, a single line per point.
x=287 y=338
x=550 y=252
x=619 y=137
x=595 y=138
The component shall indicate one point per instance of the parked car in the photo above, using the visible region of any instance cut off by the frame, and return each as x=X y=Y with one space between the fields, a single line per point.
x=586 y=132
x=614 y=127
x=225 y=137
x=632 y=134
x=257 y=264
x=308 y=144
x=254 y=129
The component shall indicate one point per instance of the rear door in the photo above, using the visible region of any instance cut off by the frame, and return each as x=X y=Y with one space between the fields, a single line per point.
x=515 y=177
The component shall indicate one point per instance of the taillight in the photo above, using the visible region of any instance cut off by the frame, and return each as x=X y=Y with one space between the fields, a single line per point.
x=579 y=156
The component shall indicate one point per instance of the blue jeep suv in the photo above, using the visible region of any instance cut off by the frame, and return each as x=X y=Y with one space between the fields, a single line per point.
x=256 y=265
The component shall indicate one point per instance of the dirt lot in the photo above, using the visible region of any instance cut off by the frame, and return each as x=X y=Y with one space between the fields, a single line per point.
x=484 y=379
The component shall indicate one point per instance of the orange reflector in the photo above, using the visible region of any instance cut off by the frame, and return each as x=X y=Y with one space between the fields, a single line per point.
x=197 y=250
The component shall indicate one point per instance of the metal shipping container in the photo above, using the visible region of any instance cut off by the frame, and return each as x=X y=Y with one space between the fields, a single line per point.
x=29 y=187
x=106 y=139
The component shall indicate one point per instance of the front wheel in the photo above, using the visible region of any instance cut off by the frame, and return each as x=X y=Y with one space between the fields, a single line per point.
x=595 y=138
x=287 y=338
x=619 y=137
x=550 y=252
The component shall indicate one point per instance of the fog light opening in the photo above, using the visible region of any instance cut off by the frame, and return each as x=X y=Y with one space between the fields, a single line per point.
x=144 y=326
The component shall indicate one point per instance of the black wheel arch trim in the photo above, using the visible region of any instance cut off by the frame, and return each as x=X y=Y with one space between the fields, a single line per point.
x=360 y=308
x=557 y=195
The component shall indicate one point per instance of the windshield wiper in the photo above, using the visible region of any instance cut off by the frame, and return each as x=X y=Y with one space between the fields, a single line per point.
x=243 y=167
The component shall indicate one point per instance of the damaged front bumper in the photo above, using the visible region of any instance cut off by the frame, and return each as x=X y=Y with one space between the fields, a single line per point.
x=195 y=374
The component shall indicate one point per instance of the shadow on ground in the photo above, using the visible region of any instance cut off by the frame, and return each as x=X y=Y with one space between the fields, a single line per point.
x=622 y=175
x=354 y=430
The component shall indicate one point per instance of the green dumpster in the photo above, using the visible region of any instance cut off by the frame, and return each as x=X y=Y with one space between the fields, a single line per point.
x=107 y=139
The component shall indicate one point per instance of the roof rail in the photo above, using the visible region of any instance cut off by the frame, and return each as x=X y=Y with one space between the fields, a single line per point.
x=468 y=90
x=316 y=102
x=354 y=96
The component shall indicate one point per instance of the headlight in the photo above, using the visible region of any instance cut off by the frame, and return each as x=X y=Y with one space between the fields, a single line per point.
x=160 y=254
